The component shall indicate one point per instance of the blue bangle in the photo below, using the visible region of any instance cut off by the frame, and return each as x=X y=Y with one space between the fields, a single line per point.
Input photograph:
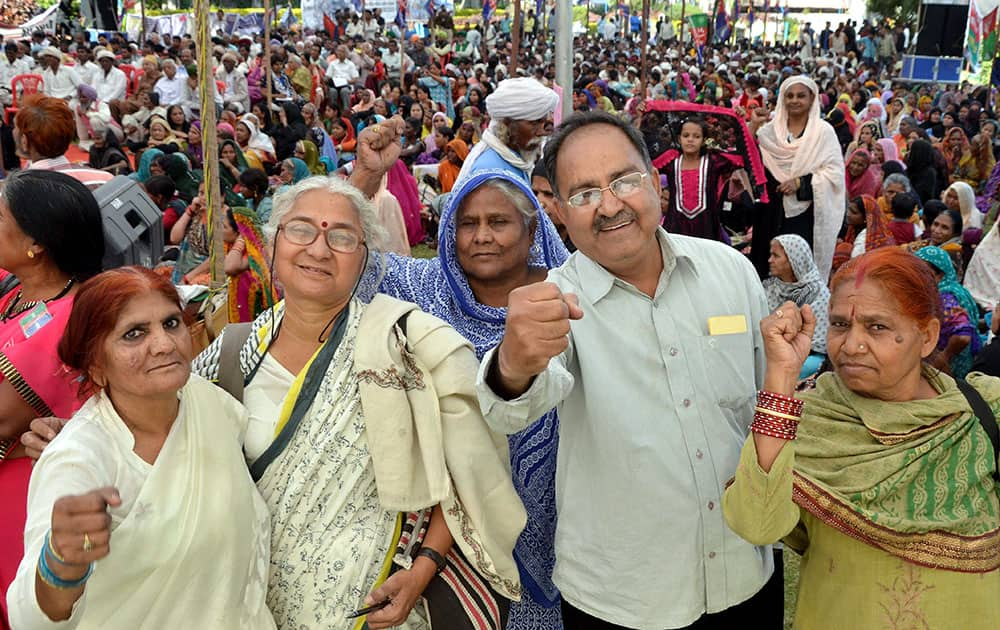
x=57 y=582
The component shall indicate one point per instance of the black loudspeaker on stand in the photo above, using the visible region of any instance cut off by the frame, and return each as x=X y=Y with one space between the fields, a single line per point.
x=942 y=30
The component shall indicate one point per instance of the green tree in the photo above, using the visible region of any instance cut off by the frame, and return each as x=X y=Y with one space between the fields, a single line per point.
x=904 y=11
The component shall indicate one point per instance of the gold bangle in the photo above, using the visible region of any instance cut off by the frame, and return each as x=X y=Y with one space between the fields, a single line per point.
x=778 y=414
x=55 y=554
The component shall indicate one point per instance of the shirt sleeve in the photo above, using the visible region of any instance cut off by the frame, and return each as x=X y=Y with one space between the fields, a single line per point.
x=758 y=505
x=548 y=390
x=68 y=468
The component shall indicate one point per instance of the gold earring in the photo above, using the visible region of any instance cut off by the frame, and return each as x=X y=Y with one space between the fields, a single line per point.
x=31 y=254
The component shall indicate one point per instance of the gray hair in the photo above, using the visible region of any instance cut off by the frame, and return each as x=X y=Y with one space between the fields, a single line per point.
x=284 y=201
x=515 y=195
x=897 y=178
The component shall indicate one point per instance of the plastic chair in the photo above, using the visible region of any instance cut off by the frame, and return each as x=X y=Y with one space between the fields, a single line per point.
x=129 y=74
x=221 y=85
x=21 y=86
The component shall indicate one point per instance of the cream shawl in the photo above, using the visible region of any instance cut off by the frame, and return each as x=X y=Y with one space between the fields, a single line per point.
x=428 y=441
x=816 y=152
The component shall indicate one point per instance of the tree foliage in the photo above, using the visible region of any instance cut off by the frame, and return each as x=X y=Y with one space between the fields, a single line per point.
x=904 y=11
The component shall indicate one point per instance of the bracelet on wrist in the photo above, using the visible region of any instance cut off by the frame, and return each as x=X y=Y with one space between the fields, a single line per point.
x=52 y=550
x=435 y=557
x=49 y=577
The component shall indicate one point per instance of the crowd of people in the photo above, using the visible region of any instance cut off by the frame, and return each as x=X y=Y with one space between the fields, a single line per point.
x=740 y=296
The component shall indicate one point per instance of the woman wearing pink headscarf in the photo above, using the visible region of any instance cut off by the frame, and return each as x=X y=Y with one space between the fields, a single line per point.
x=885 y=150
x=862 y=176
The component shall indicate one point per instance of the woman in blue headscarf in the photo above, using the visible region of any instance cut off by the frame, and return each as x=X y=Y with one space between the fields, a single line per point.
x=493 y=212
x=143 y=173
x=959 y=341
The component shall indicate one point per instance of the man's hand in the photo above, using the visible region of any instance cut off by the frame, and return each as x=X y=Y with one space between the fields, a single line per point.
x=538 y=317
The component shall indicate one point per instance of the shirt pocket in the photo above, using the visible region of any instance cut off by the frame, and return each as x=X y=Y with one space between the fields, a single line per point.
x=729 y=368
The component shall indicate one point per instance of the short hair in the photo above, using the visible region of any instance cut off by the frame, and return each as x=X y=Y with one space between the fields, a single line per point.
x=60 y=214
x=160 y=185
x=445 y=131
x=902 y=275
x=283 y=201
x=903 y=205
x=897 y=178
x=96 y=309
x=47 y=122
x=579 y=121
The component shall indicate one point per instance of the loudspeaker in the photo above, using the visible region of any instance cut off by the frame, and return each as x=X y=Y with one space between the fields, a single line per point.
x=942 y=32
x=133 y=225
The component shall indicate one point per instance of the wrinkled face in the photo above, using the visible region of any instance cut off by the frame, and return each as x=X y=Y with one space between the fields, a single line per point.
x=872 y=345
x=891 y=190
x=617 y=233
x=157 y=132
x=874 y=110
x=778 y=263
x=228 y=63
x=543 y=192
x=194 y=136
x=491 y=238
x=691 y=139
x=315 y=273
x=526 y=136
x=170 y=70
x=149 y=341
x=857 y=165
x=942 y=229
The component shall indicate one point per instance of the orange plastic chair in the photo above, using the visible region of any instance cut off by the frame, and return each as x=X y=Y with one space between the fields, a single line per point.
x=221 y=85
x=21 y=86
x=129 y=74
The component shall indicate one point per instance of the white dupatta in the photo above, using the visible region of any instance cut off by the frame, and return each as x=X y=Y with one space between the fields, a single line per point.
x=816 y=152
x=189 y=544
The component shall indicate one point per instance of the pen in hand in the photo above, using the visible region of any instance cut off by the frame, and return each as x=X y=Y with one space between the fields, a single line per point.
x=369 y=609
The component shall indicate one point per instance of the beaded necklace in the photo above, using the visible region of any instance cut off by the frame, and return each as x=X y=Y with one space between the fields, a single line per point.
x=15 y=308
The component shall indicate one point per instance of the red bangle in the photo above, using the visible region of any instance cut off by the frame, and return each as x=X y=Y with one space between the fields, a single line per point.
x=779 y=403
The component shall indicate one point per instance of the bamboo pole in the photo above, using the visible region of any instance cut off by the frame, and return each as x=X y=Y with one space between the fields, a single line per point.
x=210 y=140
x=142 y=23
x=681 y=36
x=515 y=47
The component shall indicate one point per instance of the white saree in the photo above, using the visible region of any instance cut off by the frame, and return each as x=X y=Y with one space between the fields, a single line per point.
x=189 y=543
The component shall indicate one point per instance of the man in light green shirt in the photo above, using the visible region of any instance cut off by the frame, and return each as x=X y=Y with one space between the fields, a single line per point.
x=649 y=345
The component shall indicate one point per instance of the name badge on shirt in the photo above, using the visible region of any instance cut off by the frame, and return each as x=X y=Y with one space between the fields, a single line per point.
x=727 y=325
x=36 y=318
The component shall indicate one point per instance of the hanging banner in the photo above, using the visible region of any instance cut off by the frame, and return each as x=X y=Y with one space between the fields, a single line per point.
x=699 y=28
x=981 y=35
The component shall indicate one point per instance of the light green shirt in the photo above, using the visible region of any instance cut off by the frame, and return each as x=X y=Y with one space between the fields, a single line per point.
x=653 y=411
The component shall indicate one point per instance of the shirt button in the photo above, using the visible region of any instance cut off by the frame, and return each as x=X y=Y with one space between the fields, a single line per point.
x=711 y=505
x=673 y=352
x=711 y=555
x=699 y=454
x=686 y=402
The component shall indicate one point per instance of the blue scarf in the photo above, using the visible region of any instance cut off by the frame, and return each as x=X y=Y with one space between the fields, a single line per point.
x=439 y=287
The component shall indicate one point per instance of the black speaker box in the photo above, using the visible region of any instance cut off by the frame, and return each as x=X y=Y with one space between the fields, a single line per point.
x=942 y=31
x=133 y=225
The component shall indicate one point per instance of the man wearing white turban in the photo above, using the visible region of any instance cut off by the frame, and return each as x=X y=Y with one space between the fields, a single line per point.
x=521 y=118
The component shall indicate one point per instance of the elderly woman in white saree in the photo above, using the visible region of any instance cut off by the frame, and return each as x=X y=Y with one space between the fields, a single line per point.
x=141 y=513
x=365 y=434
x=805 y=177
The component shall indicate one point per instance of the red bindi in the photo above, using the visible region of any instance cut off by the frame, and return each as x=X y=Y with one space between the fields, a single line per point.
x=323 y=224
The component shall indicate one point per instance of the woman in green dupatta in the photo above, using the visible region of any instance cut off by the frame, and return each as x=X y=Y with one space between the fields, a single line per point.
x=887 y=483
x=186 y=181
x=306 y=151
x=231 y=164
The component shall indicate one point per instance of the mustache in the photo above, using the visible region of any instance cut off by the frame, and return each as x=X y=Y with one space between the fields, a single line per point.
x=601 y=221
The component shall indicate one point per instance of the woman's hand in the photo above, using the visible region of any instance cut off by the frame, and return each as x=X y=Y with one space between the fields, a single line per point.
x=81 y=530
x=225 y=162
x=789 y=187
x=41 y=431
x=378 y=148
x=787 y=336
x=403 y=588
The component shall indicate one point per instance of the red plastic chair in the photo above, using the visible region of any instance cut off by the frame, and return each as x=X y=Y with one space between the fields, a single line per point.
x=129 y=74
x=221 y=85
x=21 y=86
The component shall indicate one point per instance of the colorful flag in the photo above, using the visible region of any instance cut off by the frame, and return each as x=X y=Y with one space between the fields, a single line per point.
x=401 y=16
x=289 y=18
x=489 y=8
x=699 y=28
x=981 y=36
x=329 y=26
x=429 y=6
x=750 y=16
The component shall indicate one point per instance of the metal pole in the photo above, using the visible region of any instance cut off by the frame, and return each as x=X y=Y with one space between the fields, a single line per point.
x=210 y=140
x=564 y=53
x=644 y=39
x=267 y=54
x=515 y=39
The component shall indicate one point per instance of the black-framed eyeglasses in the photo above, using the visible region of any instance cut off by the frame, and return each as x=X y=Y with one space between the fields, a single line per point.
x=341 y=240
x=624 y=186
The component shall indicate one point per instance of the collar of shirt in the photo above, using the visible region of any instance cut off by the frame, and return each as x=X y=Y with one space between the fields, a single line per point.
x=49 y=164
x=597 y=281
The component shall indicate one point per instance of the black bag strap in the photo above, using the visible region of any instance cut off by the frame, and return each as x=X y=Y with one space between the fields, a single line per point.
x=986 y=418
x=230 y=375
x=8 y=284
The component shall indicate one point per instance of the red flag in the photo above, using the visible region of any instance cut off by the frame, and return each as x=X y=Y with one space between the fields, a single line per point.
x=330 y=26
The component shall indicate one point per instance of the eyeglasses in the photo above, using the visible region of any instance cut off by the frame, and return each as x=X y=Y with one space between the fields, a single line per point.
x=624 y=186
x=303 y=233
